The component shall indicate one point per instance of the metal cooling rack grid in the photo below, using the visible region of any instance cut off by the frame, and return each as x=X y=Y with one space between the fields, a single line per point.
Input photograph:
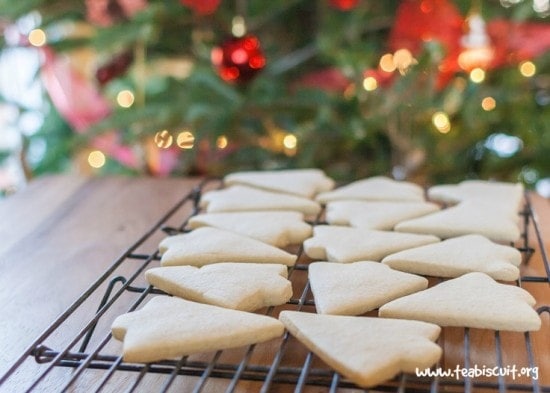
x=93 y=365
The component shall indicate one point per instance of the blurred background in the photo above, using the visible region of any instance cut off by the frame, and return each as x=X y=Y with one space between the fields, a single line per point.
x=433 y=91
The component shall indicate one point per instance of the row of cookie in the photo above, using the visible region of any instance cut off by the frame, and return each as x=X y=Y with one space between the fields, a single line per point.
x=482 y=207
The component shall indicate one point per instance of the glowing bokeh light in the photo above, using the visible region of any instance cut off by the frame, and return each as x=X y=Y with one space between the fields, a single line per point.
x=163 y=139
x=125 y=98
x=96 y=159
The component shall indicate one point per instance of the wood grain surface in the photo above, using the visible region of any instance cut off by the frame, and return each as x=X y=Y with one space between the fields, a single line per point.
x=62 y=232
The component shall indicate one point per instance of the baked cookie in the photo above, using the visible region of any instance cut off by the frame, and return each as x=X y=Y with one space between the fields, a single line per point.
x=457 y=256
x=473 y=300
x=479 y=216
x=207 y=245
x=302 y=182
x=359 y=287
x=279 y=229
x=346 y=244
x=375 y=215
x=169 y=327
x=240 y=286
x=244 y=198
x=378 y=188
x=366 y=350
x=511 y=194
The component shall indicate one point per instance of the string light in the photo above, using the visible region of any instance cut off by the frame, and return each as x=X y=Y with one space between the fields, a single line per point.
x=441 y=122
x=527 y=69
x=290 y=141
x=488 y=104
x=96 y=159
x=222 y=142
x=163 y=139
x=185 y=140
x=37 y=37
x=386 y=63
x=477 y=75
x=238 y=27
x=402 y=60
x=370 y=83
x=125 y=98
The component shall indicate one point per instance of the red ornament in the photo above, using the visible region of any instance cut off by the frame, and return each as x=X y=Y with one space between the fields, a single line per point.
x=116 y=67
x=515 y=42
x=238 y=59
x=420 y=21
x=344 y=5
x=202 y=7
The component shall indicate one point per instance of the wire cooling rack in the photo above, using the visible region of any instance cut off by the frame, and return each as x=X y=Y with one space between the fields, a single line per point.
x=78 y=349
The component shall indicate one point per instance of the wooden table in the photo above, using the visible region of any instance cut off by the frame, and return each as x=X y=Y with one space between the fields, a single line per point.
x=61 y=232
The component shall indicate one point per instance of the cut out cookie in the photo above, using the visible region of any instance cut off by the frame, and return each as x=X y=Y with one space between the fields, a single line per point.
x=375 y=215
x=378 y=188
x=359 y=287
x=366 y=350
x=240 y=286
x=243 y=198
x=207 y=245
x=478 y=216
x=458 y=256
x=276 y=228
x=169 y=327
x=345 y=244
x=510 y=194
x=303 y=182
x=473 y=300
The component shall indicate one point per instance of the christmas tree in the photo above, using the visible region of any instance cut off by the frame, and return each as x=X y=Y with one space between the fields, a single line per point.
x=431 y=90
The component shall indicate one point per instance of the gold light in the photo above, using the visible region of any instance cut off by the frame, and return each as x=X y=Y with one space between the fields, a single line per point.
x=477 y=75
x=238 y=27
x=370 y=83
x=222 y=142
x=163 y=139
x=96 y=159
x=37 y=37
x=403 y=59
x=125 y=98
x=527 y=69
x=488 y=104
x=386 y=63
x=185 y=140
x=290 y=141
x=441 y=122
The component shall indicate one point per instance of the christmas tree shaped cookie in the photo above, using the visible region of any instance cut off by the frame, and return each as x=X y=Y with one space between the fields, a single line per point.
x=345 y=244
x=457 y=256
x=276 y=228
x=169 y=327
x=375 y=215
x=378 y=188
x=240 y=286
x=366 y=350
x=474 y=216
x=244 y=198
x=302 y=182
x=355 y=288
x=207 y=245
x=510 y=194
x=472 y=300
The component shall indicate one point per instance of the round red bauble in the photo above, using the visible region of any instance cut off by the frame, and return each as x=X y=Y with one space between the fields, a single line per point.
x=238 y=59
x=344 y=5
